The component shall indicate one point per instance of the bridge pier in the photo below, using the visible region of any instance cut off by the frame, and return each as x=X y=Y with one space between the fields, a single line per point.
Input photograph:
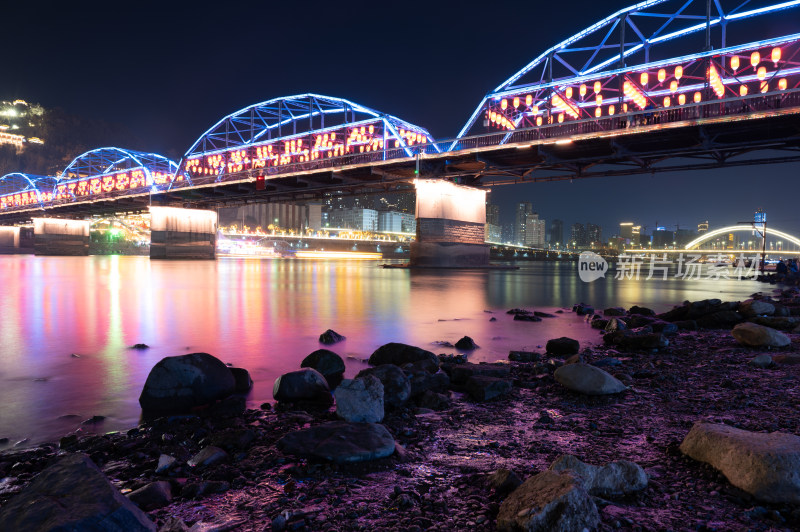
x=177 y=233
x=55 y=236
x=451 y=222
x=16 y=240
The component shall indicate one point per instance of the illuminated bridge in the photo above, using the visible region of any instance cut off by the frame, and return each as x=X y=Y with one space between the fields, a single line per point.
x=662 y=85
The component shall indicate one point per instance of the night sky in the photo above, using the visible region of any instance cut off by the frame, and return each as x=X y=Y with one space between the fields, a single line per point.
x=169 y=70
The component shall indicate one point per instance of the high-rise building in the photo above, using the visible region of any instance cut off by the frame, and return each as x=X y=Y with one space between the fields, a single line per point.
x=557 y=233
x=534 y=231
x=492 y=223
x=390 y=222
x=578 y=238
x=594 y=235
x=636 y=235
x=355 y=218
x=663 y=239
x=702 y=227
x=524 y=208
x=626 y=230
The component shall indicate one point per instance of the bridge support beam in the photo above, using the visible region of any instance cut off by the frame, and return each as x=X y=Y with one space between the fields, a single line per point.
x=177 y=233
x=54 y=236
x=16 y=240
x=451 y=221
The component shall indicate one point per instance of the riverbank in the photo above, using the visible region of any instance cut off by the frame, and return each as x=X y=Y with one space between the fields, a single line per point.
x=449 y=445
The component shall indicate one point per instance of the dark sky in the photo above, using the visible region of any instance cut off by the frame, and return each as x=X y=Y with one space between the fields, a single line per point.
x=170 y=69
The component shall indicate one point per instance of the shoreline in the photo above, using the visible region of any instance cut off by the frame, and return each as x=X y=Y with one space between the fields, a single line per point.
x=438 y=478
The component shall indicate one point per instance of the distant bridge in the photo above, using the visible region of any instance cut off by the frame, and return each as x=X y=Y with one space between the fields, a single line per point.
x=663 y=85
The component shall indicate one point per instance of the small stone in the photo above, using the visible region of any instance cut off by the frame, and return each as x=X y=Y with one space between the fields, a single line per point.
x=340 y=442
x=483 y=388
x=620 y=477
x=207 y=457
x=587 y=379
x=466 y=344
x=154 y=495
x=303 y=385
x=762 y=361
x=330 y=337
x=563 y=346
x=165 y=463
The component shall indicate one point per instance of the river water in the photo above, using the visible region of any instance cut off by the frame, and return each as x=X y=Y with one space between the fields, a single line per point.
x=264 y=315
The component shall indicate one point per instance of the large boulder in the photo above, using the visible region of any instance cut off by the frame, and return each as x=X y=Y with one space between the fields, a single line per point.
x=588 y=380
x=340 y=442
x=782 y=323
x=360 y=400
x=422 y=380
x=620 y=477
x=767 y=466
x=754 y=335
x=563 y=346
x=326 y=362
x=396 y=384
x=183 y=382
x=72 y=494
x=400 y=354
x=331 y=337
x=755 y=307
x=151 y=496
x=244 y=383
x=549 y=502
x=302 y=385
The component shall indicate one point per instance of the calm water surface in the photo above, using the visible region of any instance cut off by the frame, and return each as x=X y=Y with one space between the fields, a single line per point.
x=265 y=316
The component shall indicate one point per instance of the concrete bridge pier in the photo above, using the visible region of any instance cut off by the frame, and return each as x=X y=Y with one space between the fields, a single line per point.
x=55 y=236
x=177 y=233
x=451 y=221
x=16 y=240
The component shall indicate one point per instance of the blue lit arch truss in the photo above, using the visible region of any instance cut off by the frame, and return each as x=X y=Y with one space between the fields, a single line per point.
x=295 y=133
x=23 y=190
x=102 y=173
x=660 y=53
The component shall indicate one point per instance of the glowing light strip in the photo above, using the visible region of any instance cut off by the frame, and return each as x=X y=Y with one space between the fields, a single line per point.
x=735 y=228
x=751 y=13
x=715 y=81
x=564 y=105
x=360 y=255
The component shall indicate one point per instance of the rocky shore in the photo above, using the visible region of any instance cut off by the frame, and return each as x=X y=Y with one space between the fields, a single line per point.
x=685 y=420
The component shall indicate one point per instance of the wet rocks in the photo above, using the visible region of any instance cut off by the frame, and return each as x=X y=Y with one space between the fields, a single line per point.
x=208 y=456
x=526 y=317
x=504 y=481
x=165 y=463
x=583 y=309
x=614 y=311
x=422 y=380
x=548 y=501
x=642 y=339
x=524 y=356
x=643 y=311
x=331 y=337
x=340 y=442
x=754 y=335
x=762 y=361
x=328 y=363
x=460 y=373
x=243 y=382
x=516 y=311
x=563 y=346
x=360 y=400
x=620 y=477
x=782 y=323
x=400 y=354
x=588 y=380
x=396 y=384
x=154 y=495
x=302 y=385
x=767 y=466
x=72 y=494
x=755 y=307
x=182 y=382
x=466 y=344
x=483 y=388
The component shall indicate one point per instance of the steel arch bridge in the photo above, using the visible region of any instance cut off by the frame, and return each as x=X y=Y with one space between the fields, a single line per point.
x=297 y=132
x=662 y=85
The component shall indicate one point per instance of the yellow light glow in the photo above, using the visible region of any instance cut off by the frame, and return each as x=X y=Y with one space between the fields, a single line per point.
x=598 y=112
x=528 y=100
x=764 y=86
x=776 y=55
x=681 y=99
x=761 y=74
x=644 y=78
x=582 y=89
x=598 y=99
x=716 y=82
x=743 y=90
x=597 y=86
x=735 y=63
x=673 y=86
x=698 y=97
x=564 y=105
x=755 y=59
x=611 y=109
x=516 y=101
x=782 y=84
x=634 y=94
x=678 y=72
x=568 y=92
x=560 y=117
x=667 y=101
x=351 y=255
x=503 y=104
x=538 y=120
x=662 y=75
